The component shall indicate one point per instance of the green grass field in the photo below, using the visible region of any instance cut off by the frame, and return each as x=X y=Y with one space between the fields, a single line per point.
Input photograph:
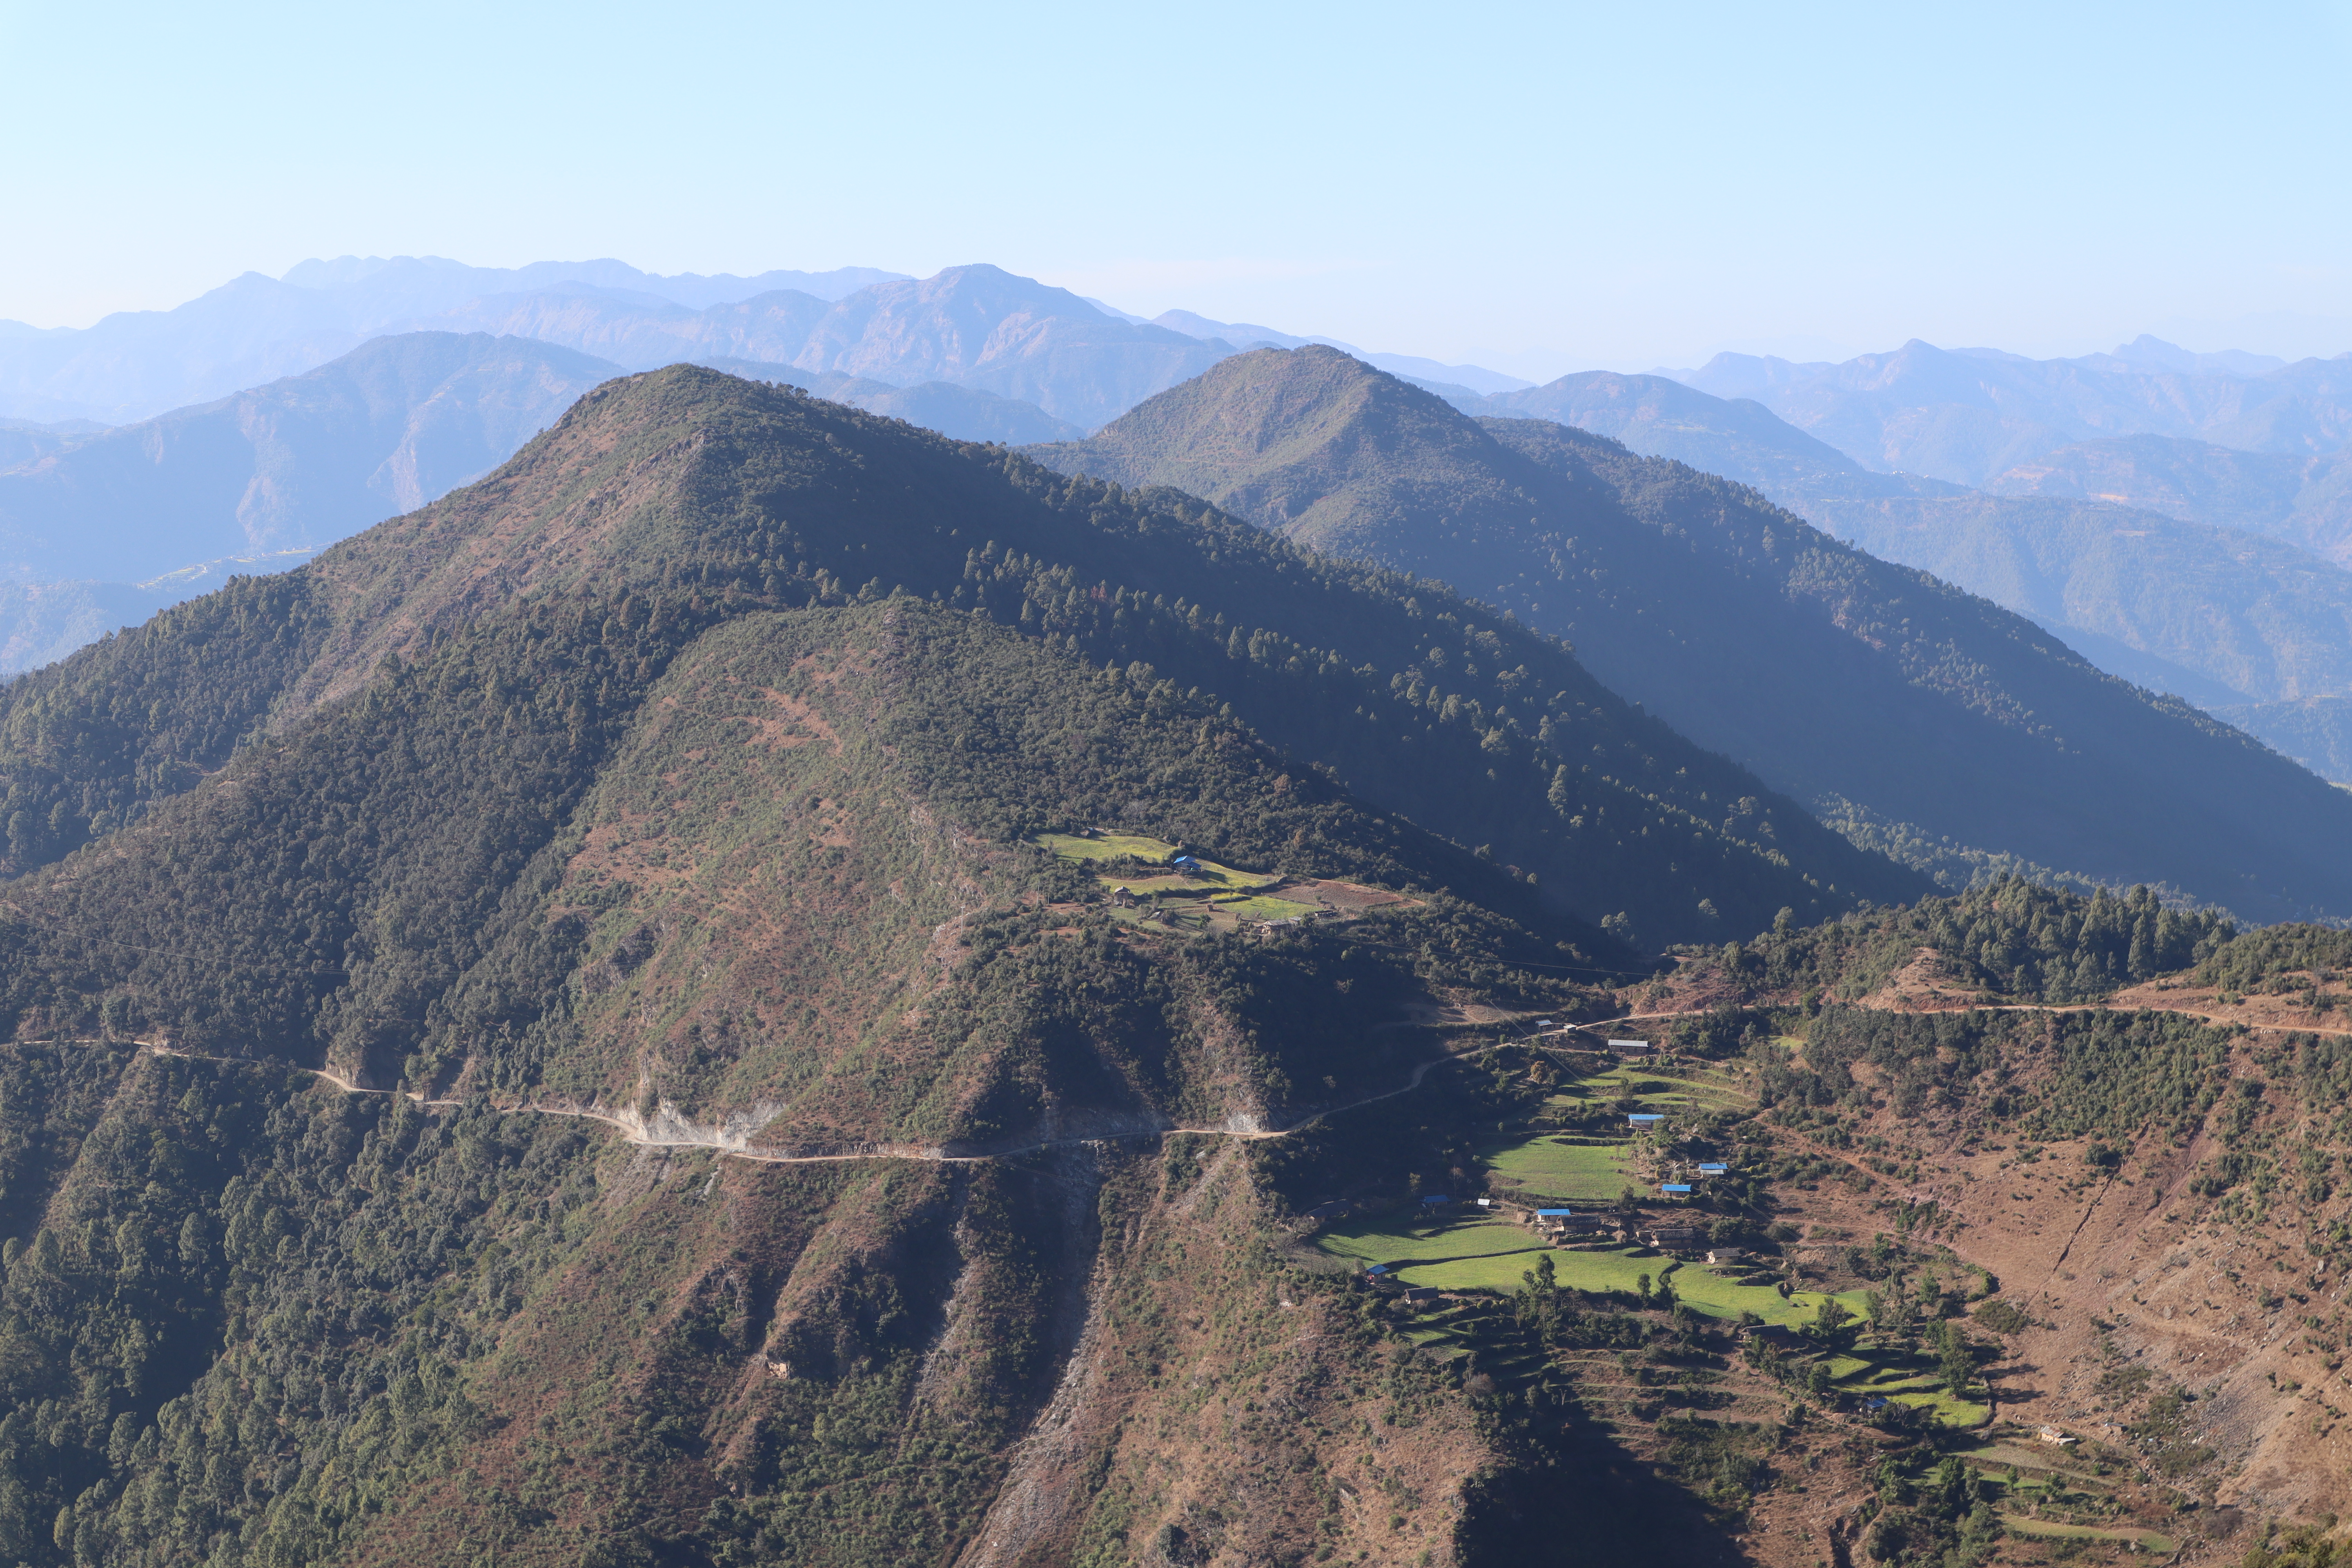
x=1620 y=1270
x=1397 y=1237
x=1209 y=879
x=1553 y=1168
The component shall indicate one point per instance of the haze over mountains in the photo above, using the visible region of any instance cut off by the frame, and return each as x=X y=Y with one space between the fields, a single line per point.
x=1965 y=416
x=2133 y=546
x=255 y=329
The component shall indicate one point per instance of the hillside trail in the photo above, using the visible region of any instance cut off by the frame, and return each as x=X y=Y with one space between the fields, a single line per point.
x=634 y=1132
x=2213 y=1018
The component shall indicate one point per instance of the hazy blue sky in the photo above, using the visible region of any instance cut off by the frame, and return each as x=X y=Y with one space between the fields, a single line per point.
x=1535 y=187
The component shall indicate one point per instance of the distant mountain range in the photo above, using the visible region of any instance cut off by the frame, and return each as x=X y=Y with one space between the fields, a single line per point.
x=1927 y=720
x=1082 y=360
x=2179 y=518
x=256 y=329
x=975 y=326
x=1968 y=414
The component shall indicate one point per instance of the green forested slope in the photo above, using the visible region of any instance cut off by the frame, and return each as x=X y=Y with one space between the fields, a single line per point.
x=762 y=871
x=715 y=497
x=1876 y=690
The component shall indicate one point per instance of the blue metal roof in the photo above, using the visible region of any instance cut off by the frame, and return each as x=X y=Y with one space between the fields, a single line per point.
x=1553 y=1214
x=1647 y=1116
x=1674 y=1187
x=1437 y=1199
x=1712 y=1169
x=1378 y=1269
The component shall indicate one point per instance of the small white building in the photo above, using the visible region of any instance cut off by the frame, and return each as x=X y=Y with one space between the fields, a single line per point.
x=1724 y=1255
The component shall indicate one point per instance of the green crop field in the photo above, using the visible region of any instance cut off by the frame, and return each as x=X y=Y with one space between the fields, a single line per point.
x=1553 y=1168
x=1387 y=1241
x=1719 y=1296
x=1109 y=847
x=1203 y=878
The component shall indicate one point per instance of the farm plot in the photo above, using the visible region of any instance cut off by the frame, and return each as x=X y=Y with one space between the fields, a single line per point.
x=1400 y=1239
x=1556 y=1168
x=2146 y=1540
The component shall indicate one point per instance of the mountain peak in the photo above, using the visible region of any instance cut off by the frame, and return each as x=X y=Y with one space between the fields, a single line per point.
x=1276 y=435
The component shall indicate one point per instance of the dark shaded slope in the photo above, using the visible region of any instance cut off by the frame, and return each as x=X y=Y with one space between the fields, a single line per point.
x=2154 y=589
x=727 y=498
x=1834 y=674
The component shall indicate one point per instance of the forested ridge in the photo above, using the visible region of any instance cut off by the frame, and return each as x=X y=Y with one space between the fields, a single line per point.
x=1932 y=716
x=717 y=497
x=2013 y=939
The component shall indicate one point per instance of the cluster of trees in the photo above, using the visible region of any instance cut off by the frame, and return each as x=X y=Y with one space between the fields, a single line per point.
x=2278 y=958
x=2012 y=937
x=88 y=745
x=233 y=1327
x=2096 y=1073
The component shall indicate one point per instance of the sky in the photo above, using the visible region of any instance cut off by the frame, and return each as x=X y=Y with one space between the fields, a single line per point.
x=1536 y=188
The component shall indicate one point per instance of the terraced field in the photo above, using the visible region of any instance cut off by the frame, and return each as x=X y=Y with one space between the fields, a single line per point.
x=1401 y=1237
x=1620 y=1270
x=1107 y=846
x=1866 y=1375
x=1697 y=1085
x=2146 y=1540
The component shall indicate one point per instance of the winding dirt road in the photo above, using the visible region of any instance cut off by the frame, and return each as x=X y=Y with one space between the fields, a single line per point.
x=633 y=1131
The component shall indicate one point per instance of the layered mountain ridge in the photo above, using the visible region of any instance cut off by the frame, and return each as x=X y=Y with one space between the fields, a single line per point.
x=2186 y=567
x=1899 y=703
